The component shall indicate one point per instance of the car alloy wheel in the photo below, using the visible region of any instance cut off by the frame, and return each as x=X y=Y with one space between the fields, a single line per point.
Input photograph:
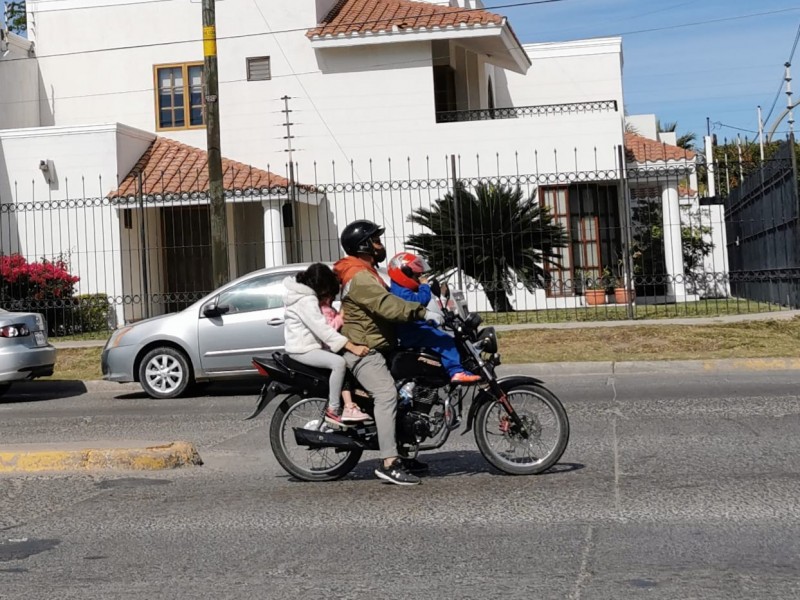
x=164 y=373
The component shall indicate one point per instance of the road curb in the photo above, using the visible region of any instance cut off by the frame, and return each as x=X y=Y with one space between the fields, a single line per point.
x=100 y=385
x=636 y=367
x=707 y=366
x=143 y=456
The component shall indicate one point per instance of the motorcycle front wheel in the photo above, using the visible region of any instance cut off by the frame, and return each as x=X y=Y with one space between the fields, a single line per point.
x=302 y=462
x=533 y=451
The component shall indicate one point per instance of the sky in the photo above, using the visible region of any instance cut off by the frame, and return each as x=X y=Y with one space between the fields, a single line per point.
x=716 y=69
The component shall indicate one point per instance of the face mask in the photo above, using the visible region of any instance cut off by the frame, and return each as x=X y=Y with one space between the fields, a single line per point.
x=379 y=255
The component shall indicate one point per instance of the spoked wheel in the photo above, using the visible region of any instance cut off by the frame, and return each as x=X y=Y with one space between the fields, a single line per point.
x=505 y=446
x=308 y=464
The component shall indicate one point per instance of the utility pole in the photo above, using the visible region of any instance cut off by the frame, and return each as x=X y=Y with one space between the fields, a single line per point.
x=293 y=253
x=219 y=220
x=761 y=134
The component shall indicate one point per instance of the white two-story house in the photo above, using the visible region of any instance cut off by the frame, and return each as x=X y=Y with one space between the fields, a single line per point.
x=103 y=129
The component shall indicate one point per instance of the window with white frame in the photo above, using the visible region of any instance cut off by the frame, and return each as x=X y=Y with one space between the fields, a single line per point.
x=180 y=99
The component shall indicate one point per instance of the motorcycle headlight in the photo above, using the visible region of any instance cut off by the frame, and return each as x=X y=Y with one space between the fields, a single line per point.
x=473 y=320
x=487 y=340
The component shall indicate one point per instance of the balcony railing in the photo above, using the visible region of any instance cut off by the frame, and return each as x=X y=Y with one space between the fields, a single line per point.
x=542 y=110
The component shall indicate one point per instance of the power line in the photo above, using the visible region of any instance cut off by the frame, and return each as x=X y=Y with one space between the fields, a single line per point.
x=298 y=29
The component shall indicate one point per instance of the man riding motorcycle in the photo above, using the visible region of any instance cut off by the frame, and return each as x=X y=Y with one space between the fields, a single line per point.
x=370 y=313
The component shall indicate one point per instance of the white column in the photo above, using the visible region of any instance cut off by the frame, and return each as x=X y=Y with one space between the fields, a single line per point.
x=274 y=240
x=673 y=252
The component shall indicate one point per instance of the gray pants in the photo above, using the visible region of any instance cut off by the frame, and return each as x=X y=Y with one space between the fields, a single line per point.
x=325 y=359
x=374 y=375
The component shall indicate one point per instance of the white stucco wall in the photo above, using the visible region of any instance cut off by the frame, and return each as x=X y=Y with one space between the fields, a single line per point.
x=19 y=85
x=350 y=104
x=64 y=212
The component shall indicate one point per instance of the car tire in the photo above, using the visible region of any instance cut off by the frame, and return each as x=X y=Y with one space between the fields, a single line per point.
x=4 y=387
x=164 y=372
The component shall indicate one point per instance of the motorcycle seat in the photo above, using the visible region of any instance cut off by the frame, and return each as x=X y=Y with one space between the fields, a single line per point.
x=294 y=365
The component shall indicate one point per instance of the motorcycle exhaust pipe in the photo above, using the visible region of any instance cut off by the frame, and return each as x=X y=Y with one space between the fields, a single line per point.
x=321 y=439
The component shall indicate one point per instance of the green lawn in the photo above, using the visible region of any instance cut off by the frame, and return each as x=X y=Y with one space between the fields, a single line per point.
x=618 y=312
x=754 y=339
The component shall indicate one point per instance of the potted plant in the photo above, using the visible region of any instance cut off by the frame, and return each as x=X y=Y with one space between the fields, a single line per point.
x=623 y=294
x=594 y=289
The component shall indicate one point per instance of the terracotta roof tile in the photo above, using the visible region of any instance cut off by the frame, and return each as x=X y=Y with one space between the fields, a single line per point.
x=641 y=149
x=361 y=16
x=169 y=167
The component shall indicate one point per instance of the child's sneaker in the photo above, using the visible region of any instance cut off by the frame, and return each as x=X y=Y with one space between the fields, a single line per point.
x=332 y=418
x=465 y=377
x=353 y=414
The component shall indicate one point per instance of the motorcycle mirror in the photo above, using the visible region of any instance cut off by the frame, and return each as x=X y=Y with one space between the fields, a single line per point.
x=436 y=289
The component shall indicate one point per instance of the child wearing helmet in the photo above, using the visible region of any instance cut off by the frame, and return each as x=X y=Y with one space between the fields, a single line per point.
x=407 y=272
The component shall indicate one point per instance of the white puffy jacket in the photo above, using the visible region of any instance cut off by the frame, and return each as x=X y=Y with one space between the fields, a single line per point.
x=305 y=327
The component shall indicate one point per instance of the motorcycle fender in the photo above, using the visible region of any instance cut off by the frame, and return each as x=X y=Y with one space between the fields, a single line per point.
x=505 y=383
x=269 y=392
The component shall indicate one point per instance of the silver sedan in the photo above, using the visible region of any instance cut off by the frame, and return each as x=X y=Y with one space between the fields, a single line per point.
x=215 y=338
x=24 y=350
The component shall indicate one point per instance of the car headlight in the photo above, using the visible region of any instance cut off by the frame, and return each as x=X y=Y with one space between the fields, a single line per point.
x=116 y=337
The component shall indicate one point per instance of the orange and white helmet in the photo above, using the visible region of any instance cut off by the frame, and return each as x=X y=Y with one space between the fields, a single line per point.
x=405 y=269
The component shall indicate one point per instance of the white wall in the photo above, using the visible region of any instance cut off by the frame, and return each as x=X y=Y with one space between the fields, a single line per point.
x=64 y=212
x=19 y=86
x=350 y=104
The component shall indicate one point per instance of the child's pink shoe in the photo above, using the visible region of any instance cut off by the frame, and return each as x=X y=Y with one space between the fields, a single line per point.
x=352 y=414
x=332 y=418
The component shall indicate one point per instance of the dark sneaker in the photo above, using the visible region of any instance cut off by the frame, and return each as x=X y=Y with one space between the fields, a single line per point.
x=412 y=465
x=396 y=473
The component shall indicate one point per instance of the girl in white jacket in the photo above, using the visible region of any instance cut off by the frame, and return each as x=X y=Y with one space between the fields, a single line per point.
x=311 y=340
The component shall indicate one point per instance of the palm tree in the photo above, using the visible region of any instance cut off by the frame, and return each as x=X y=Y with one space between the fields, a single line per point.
x=685 y=141
x=504 y=237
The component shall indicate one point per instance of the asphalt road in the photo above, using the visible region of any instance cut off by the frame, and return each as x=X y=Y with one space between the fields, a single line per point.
x=673 y=486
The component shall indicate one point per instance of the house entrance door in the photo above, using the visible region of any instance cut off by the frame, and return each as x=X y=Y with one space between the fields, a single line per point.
x=187 y=255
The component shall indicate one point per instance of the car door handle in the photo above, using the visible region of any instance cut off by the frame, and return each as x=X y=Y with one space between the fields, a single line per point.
x=275 y=322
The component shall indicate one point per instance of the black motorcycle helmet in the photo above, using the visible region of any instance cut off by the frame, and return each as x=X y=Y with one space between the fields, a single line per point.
x=356 y=239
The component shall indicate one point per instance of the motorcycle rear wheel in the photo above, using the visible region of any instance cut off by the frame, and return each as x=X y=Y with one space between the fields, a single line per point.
x=302 y=462
x=544 y=418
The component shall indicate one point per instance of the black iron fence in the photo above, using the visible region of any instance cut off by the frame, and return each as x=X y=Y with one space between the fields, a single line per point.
x=626 y=242
x=763 y=217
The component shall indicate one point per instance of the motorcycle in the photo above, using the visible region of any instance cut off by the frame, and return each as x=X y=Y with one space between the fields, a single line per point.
x=520 y=427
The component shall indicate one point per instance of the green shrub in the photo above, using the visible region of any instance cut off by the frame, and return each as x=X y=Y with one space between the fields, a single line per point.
x=90 y=312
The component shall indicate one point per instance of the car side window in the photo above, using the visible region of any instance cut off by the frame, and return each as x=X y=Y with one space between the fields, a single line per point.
x=258 y=293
